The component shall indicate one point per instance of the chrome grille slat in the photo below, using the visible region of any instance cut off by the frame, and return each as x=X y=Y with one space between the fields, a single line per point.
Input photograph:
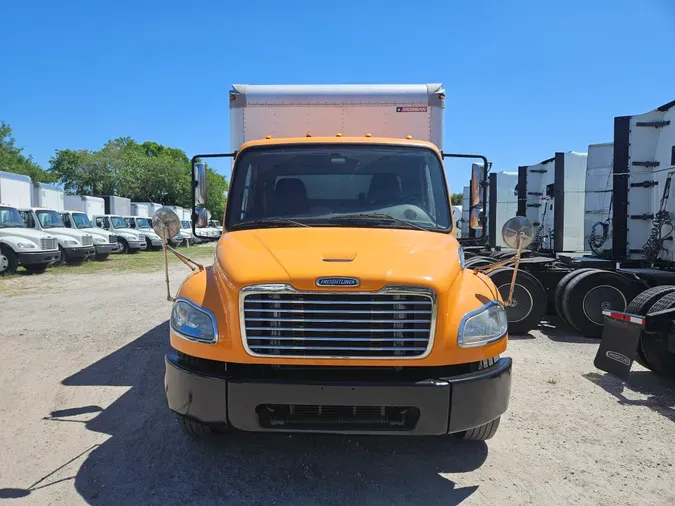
x=48 y=244
x=396 y=322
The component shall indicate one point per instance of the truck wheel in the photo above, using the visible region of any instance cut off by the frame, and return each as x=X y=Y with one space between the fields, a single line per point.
x=590 y=293
x=467 y=254
x=195 y=428
x=124 y=245
x=36 y=268
x=8 y=261
x=560 y=289
x=655 y=346
x=62 y=259
x=482 y=433
x=528 y=305
x=101 y=256
x=480 y=261
x=641 y=305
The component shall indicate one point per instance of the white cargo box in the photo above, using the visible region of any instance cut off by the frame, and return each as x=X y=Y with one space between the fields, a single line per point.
x=551 y=195
x=502 y=205
x=598 y=201
x=466 y=205
x=16 y=190
x=644 y=163
x=383 y=110
x=49 y=196
x=120 y=206
x=141 y=210
x=91 y=206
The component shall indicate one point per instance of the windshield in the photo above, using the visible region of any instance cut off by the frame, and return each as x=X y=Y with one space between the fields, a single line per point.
x=81 y=220
x=49 y=219
x=143 y=223
x=10 y=217
x=327 y=185
x=118 y=222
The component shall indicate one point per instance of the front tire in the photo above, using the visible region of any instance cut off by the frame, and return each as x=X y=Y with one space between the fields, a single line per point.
x=655 y=346
x=9 y=263
x=36 y=268
x=482 y=433
x=194 y=428
x=124 y=245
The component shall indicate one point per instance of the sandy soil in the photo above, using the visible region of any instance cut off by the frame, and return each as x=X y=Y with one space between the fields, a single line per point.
x=84 y=420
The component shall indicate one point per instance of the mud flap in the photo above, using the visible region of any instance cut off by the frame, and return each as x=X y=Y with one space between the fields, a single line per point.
x=618 y=347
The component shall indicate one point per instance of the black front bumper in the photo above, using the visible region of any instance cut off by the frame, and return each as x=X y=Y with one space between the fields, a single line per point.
x=79 y=252
x=442 y=405
x=38 y=257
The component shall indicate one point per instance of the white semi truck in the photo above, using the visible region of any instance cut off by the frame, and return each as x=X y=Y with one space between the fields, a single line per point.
x=143 y=225
x=502 y=205
x=599 y=198
x=75 y=245
x=21 y=246
x=79 y=208
x=112 y=219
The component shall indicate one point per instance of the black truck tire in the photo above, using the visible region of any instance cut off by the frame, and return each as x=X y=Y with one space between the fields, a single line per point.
x=194 y=428
x=655 y=346
x=560 y=289
x=36 y=268
x=124 y=245
x=641 y=305
x=591 y=292
x=62 y=259
x=9 y=263
x=487 y=430
x=529 y=299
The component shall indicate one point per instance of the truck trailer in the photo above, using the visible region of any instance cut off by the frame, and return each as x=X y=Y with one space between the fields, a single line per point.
x=338 y=300
x=20 y=246
x=49 y=196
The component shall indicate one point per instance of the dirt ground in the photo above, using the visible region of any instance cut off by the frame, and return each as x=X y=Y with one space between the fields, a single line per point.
x=84 y=420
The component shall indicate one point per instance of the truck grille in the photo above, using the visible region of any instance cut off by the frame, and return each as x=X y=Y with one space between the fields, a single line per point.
x=113 y=239
x=87 y=240
x=47 y=244
x=393 y=323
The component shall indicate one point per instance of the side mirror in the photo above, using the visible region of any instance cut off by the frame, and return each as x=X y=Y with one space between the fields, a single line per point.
x=202 y=218
x=474 y=213
x=199 y=184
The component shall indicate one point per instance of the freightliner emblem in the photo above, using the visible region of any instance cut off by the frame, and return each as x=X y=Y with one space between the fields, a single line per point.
x=337 y=282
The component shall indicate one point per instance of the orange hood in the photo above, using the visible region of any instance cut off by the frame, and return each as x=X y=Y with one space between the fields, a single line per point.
x=299 y=256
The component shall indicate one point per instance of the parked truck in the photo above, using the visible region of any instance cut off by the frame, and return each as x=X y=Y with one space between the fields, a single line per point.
x=79 y=208
x=48 y=196
x=144 y=226
x=130 y=240
x=75 y=245
x=338 y=300
x=20 y=246
x=599 y=198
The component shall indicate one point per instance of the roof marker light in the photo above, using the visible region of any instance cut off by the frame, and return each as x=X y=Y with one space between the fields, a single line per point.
x=409 y=137
x=308 y=134
x=339 y=134
x=368 y=134
x=268 y=136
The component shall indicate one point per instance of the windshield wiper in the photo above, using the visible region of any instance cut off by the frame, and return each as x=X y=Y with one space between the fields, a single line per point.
x=271 y=221
x=12 y=225
x=378 y=217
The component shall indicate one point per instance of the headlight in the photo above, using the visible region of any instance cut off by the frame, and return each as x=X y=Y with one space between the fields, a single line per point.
x=460 y=255
x=485 y=325
x=193 y=322
x=130 y=237
x=25 y=245
x=99 y=240
x=70 y=242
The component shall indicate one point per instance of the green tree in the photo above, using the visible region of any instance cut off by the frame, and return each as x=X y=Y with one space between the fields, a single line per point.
x=456 y=199
x=13 y=160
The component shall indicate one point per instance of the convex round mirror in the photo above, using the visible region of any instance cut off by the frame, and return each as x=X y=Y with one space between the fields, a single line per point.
x=515 y=228
x=165 y=223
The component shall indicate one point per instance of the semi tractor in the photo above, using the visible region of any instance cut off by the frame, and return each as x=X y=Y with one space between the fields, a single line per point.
x=20 y=246
x=338 y=300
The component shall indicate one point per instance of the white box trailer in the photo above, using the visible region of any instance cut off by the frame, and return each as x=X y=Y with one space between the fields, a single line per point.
x=16 y=190
x=466 y=205
x=91 y=206
x=49 y=196
x=142 y=210
x=502 y=205
x=381 y=110
x=598 y=199
x=119 y=206
x=551 y=195
x=151 y=206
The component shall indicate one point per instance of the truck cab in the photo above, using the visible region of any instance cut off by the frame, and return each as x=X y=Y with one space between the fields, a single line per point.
x=105 y=243
x=144 y=226
x=75 y=245
x=338 y=300
x=130 y=240
x=21 y=246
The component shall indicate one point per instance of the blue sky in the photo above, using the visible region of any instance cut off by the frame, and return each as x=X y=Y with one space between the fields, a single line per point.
x=524 y=78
